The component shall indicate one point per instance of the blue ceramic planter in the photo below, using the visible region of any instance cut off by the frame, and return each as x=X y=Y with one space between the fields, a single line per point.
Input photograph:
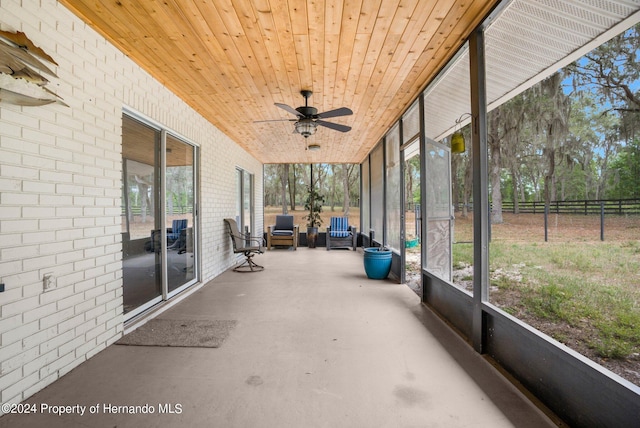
x=377 y=262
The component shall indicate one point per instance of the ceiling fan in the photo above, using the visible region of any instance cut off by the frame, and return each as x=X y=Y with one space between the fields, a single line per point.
x=308 y=118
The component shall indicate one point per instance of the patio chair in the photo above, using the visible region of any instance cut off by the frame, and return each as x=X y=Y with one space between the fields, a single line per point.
x=173 y=233
x=340 y=234
x=181 y=245
x=173 y=236
x=284 y=232
x=247 y=245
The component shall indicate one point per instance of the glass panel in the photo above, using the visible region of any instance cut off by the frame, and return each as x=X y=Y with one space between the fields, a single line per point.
x=393 y=193
x=366 y=199
x=179 y=212
x=244 y=201
x=377 y=192
x=239 y=199
x=247 y=196
x=141 y=234
x=438 y=210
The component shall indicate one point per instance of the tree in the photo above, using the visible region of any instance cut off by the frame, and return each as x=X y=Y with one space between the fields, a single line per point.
x=412 y=180
x=612 y=67
x=515 y=136
x=346 y=197
x=551 y=117
x=468 y=174
x=611 y=72
x=284 y=178
x=314 y=201
x=569 y=136
x=503 y=139
x=292 y=186
x=625 y=182
x=271 y=184
x=332 y=193
x=353 y=177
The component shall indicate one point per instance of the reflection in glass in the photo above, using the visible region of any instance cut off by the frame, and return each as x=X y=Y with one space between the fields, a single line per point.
x=141 y=238
x=244 y=201
x=179 y=217
x=247 y=195
x=239 y=198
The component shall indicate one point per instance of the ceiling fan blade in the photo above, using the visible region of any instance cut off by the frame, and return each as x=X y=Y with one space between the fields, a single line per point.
x=335 y=126
x=275 y=120
x=289 y=109
x=342 y=111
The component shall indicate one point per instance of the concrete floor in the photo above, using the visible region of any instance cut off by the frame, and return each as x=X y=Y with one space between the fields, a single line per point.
x=317 y=344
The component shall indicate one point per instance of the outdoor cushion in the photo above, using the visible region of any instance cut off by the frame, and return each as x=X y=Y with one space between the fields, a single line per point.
x=283 y=226
x=284 y=222
x=339 y=227
x=282 y=232
x=176 y=226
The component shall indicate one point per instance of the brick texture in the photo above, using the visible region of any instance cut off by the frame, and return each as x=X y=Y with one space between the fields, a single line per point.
x=60 y=203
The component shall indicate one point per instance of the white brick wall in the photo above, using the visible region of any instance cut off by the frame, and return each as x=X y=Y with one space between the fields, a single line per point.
x=60 y=186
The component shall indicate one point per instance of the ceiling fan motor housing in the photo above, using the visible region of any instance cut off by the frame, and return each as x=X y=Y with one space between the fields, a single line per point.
x=308 y=112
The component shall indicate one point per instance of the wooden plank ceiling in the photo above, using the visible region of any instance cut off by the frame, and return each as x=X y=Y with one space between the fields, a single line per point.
x=231 y=60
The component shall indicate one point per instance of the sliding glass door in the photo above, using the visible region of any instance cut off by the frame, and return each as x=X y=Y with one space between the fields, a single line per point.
x=159 y=204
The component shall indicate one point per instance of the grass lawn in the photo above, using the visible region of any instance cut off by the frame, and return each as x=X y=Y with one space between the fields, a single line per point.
x=581 y=291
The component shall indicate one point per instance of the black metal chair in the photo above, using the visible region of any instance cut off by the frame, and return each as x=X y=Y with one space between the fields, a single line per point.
x=247 y=245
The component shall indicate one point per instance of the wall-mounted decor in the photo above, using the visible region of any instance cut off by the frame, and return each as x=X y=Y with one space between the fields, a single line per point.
x=21 y=79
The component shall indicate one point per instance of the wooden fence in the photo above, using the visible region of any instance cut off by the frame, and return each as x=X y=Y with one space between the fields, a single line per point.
x=592 y=207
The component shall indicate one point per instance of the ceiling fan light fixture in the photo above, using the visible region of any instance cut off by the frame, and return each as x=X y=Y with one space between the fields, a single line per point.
x=306 y=127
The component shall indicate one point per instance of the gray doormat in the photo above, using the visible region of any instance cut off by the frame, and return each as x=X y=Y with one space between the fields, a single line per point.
x=185 y=333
